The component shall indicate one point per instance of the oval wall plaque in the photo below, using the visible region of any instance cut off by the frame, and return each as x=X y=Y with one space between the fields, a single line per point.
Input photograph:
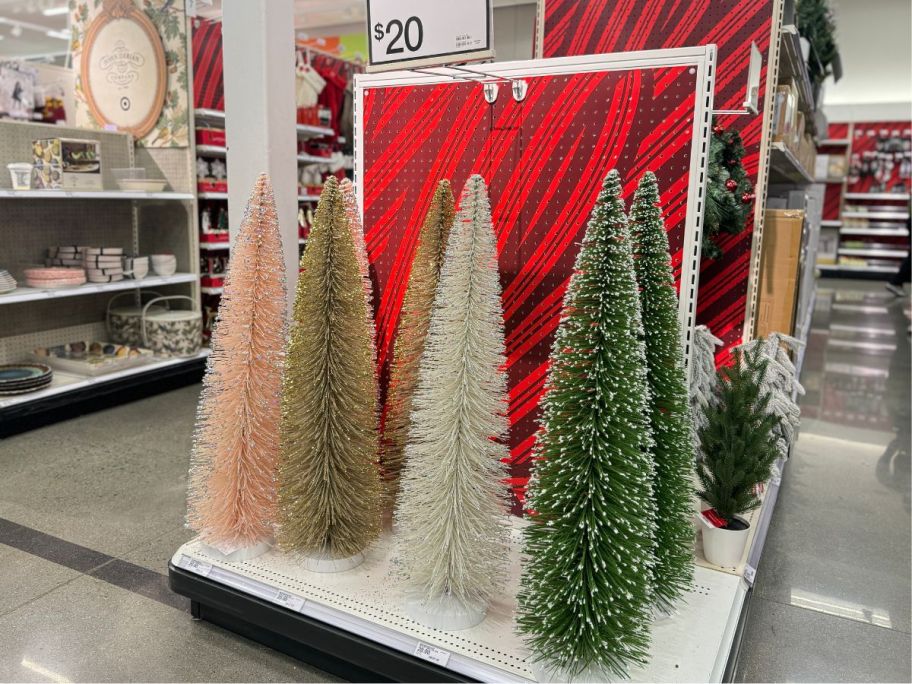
x=123 y=68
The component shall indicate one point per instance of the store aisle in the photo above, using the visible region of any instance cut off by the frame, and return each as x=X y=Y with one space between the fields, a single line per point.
x=832 y=597
x=91 y=510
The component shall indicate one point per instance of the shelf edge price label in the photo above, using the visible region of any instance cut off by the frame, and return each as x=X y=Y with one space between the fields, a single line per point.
x=197 y=566
x=432 y=654
x=414 y=33
x=749 y=574
x=290 y=601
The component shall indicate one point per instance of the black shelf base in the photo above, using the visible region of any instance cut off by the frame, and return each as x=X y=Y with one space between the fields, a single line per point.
x=97 y=396
x=328 y=648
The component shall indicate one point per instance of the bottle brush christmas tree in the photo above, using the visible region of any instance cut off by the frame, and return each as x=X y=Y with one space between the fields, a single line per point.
x=357 y=231
x=729 y=195
x=702 y=378
x=414 y=320
x=669 y=412
x=738 y=443
x=451 y=533
x=232 y=473
x=585 y=599
x=328 y=481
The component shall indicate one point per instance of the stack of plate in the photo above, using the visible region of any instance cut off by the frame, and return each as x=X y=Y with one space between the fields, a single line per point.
x=69 y=255
x=54 y=277
x=7 y=282
x=104 y=264
x=19 y=378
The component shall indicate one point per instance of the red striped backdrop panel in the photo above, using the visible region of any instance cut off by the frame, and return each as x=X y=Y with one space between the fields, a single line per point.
x=544 y=160
x=581 y=27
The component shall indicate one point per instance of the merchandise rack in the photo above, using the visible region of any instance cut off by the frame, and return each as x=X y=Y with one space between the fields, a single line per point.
x=352 y=624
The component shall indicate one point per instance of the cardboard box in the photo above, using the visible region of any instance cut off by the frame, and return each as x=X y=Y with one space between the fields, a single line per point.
x=780 y=261
x=66 y=164
x=785 y=113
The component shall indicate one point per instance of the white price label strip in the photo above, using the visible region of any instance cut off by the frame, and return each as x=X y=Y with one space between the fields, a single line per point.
x=290 y=601
x=418 y=32
x=197 y=566
x=432 y=653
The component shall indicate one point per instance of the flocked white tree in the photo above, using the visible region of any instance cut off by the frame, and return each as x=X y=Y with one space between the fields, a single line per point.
x=702 y=378
x=781 y=383
x=450 y=520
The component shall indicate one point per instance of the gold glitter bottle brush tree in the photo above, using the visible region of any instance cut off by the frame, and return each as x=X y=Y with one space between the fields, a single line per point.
x=451 y=521
x=328 y=479
x=414 y=320
x=231 y=499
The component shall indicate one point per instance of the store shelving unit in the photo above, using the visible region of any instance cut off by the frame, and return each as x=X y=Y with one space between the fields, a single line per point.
x=784 y=167
x=140 y=223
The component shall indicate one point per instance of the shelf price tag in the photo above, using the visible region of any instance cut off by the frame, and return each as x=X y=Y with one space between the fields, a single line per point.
x=749 y=574
x=432 y=653
x=194 y=565
x=290 y=601
x=416 y=33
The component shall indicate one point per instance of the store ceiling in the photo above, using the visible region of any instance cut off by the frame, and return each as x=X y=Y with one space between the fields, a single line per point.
x=24 y=27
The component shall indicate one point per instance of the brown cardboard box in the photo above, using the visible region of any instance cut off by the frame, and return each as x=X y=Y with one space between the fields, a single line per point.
x=779 y=266
x=785 y=110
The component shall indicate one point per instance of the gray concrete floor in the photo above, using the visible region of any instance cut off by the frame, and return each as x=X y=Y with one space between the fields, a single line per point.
x=95 y=506
x=832 y=596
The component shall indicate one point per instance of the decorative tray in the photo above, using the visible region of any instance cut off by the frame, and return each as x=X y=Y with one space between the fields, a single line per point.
x=92 y=358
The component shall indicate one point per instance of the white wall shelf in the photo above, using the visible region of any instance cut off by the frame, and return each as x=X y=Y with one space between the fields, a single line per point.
x=308 y=198
x=211 y=290
x=214 y=246
x=308 y=131
x=31 y=294
x=97 y=194
x=830 y=223
x=856 y=268
x=213 y=195
x=877 y=215
x=874 y=253
x=785 y=167
x=215 y=116
x=876 y=232
x=896 y=196
x=64 y=382
x=211 y=150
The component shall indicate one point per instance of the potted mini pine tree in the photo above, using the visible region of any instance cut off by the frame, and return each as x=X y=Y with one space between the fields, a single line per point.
x=739 y=449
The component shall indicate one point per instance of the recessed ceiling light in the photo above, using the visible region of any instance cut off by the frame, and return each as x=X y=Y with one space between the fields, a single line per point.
x=63 y=35
x=54 y=11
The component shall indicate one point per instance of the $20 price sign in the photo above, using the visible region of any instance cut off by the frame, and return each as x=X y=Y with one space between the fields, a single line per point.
x=415 y=33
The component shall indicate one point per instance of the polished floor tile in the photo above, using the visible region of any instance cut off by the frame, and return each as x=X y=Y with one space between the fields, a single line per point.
x=89 y=630
x=25 y=577
x=789 y=644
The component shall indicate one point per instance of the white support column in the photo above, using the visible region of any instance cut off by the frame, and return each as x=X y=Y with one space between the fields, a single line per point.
x=258 y=56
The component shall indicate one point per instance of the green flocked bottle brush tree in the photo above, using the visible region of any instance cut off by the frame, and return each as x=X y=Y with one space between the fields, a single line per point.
x=669 y=412
x=585 y=599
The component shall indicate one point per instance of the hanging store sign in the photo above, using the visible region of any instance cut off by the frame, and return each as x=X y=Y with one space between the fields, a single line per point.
x=122 y=68
x=404 y=34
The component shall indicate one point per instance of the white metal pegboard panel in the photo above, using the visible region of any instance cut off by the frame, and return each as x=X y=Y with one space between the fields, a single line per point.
x=691 y=646
x=15 y=348
x=16 y=146
x=170 y=163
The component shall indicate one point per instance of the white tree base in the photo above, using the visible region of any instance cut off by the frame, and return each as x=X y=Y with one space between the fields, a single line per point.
x=545 y=672
x=325 y=562
x=660 y=614
x=236 y=554
x=444 y=612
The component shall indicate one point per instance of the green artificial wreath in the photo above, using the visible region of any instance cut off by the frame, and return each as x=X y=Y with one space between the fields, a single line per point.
x=729 y=194
x=815 y=22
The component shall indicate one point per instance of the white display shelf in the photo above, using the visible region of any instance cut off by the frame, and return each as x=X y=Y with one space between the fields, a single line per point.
x=856 y=268
x=211 y=290
x=214 y=246
x=896 y=196
x=31 y=294
x=308 y=198
x=834 y=142
x=785 y=167
x=212 y=150
x=95 y=194
x=878 y=232
x=213 y=195
x=64 y=382
x=877 y=215
x=312 y=159
x=874 y=253
x=691 y=646
x=830 y=223
x=308 y=131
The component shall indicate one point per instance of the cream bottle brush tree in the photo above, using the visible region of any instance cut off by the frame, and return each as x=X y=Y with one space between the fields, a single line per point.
x=451 y=519
x=231 y=501
x=328 y=481
x=414 y=320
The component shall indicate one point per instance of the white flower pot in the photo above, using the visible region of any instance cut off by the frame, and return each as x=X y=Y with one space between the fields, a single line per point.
x=722 y=546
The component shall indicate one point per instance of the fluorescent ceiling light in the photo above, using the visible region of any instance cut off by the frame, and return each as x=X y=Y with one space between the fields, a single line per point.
x=54 y=11
x=63 y=35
